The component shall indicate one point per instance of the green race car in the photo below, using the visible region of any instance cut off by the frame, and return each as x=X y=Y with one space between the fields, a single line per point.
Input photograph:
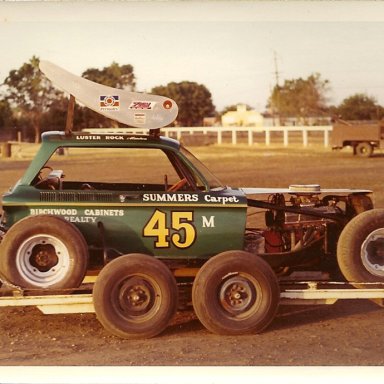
x=146 y=240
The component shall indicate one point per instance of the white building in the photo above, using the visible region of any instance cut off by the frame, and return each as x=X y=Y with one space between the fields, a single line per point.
x=242 y=117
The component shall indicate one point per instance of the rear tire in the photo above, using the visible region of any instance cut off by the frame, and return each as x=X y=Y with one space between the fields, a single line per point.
x=135 y=296
x=41 y=252
x=360 y=249
x=235 y=293
x=364 y=149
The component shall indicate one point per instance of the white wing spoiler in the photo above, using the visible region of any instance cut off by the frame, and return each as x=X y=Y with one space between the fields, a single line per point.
x=135 y=109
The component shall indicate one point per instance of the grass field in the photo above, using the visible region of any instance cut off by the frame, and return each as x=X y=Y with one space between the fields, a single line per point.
x=247 y=166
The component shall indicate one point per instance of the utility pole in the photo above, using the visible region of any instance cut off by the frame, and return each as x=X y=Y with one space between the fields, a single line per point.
x=276 y=69
x=277 y=92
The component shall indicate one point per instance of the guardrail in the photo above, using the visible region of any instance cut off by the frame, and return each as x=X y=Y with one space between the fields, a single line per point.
x=250 y=132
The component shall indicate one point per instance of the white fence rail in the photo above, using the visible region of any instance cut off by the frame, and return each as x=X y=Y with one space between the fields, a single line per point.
x=234 y=132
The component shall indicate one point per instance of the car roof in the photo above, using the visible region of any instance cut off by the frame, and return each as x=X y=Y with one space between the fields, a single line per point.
x=106 y=139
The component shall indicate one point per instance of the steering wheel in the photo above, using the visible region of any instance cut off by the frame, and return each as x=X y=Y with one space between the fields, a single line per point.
x=40 y=175
x=49 y=183
x=175 y=187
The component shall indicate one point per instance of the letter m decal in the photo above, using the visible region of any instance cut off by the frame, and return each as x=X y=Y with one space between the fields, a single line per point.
x=208 y=222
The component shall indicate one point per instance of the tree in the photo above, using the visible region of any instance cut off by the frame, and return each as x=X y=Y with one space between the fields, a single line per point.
x=6 y=117
x=41 y=107
x=300 y=98
x=31 y=93
x=360 y=107
x=115 y=75
x=55 y=118
x=194 y=101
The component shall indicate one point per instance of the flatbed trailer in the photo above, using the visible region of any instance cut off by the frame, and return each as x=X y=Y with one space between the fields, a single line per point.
x=292 y=293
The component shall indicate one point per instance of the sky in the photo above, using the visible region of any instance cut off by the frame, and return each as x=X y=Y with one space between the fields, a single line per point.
x=234 y=48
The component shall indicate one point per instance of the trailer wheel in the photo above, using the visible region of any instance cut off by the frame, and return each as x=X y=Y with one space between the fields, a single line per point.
x=135 y=296
x=235 y=293
x=364 y=149
x=43 y=251
x=360 y=249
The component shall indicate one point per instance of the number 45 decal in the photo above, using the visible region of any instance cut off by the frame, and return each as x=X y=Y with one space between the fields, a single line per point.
x=181 y=223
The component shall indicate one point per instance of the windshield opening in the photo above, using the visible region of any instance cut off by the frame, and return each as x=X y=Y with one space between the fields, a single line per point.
x=212 y=180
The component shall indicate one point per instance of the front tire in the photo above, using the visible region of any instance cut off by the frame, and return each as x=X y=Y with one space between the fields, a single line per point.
x=360 y=249
x=235 y=293
x=135 y=296
x=44 y=252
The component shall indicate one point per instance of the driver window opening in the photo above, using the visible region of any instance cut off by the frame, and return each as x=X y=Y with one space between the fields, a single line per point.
x=114 y=169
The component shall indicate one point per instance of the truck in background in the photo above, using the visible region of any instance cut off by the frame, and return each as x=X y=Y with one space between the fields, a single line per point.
x=363 y=136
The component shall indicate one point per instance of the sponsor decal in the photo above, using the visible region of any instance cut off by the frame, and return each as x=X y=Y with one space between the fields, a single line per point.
x=140 y=105
x=221 y=199
x=109 y=103
x=188 y=198
x=72 y=215
x=109 y=138
x=165 y=197
x=87 y=137
x=167 y=104
x=139 y=118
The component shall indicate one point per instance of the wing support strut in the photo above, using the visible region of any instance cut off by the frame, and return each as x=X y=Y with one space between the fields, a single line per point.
x=70 y=114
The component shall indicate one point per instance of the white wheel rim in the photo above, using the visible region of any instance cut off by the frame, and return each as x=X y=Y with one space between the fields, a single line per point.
x=43 y=260
x=372 y=252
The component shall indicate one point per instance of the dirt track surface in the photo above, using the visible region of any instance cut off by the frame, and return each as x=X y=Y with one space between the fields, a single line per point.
x=346 y=333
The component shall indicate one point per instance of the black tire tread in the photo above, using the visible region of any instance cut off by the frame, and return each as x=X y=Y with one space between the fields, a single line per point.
x=349 y=245
x=134 y=264
x=55 y=225
x=364 y=149
x=203 y=296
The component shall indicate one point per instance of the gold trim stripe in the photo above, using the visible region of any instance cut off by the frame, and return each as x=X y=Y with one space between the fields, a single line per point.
x=97 y=204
